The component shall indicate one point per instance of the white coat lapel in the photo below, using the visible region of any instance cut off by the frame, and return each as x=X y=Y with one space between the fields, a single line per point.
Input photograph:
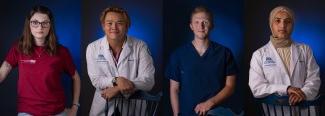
x=278 y=59
x=126 y=51
x=108 y=55
x=294 y=57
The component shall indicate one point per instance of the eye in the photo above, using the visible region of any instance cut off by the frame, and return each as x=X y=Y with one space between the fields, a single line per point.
x=277 y=21
x=34 y=22
x=205 y=22
x=287 y=21
x=109 y=23
x=45 y=24
x=120 y=22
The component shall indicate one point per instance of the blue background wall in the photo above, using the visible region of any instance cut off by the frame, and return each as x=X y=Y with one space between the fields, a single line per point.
x=67 y=24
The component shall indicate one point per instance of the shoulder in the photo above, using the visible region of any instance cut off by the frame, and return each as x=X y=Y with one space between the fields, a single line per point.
x=302 y=46
x=14 y=48
x=181 y=50
x=97 y=42
x=62 y=49
x=96 y=45
x=218 y=47
x=262 y=50
x=135 y=41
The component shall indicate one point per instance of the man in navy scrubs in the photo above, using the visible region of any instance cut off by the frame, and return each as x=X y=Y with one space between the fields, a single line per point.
x=202 y=73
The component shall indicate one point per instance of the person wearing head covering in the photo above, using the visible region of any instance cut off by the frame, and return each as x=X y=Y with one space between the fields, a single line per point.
x=282 y=66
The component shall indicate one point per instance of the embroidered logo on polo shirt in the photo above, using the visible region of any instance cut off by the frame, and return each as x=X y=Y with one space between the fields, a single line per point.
x=28 y=61
x=269 y=62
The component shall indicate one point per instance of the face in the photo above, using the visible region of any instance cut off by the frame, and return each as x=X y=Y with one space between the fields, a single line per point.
x=281 y=25
x=200 y=25
x=115 y=25
x=40 y=26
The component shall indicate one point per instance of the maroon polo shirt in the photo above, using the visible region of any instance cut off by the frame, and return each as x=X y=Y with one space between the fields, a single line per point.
x=40 y=91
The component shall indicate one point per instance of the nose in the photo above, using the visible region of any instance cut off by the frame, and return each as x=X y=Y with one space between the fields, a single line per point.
x=39 y=26
x=202 y=25
x=113 y=26
x=283 y=24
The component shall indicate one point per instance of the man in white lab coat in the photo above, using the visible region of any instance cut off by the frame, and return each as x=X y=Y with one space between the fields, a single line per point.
x=282 y=66
x=117 y=63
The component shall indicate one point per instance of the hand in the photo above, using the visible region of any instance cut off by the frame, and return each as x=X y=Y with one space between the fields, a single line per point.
x=109 y=93
x=124 y=85
x=71 y=111
x=294 y=99
x=297 y=91
x=202 y=108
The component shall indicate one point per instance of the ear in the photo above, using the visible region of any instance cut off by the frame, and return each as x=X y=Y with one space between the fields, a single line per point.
x=191 y=26
x=103 y=26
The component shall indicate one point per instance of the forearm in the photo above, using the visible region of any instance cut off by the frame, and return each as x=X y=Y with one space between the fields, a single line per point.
x=175 y=103
x=144 y=83
x=4 y=70
x=76 y=88
x=221 y=96
x=225 y=92
x=2 y=76
x=101 y=81
x=174 y=99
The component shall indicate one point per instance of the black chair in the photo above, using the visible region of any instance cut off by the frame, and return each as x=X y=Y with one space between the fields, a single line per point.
x=138 y=104
x=274 y=105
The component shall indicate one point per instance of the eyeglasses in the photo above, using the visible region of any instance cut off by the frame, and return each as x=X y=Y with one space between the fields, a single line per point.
x=44 y=24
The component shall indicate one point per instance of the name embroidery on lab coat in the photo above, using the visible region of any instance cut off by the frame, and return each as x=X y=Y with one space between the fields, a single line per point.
x=269 y=61
x=101 y=58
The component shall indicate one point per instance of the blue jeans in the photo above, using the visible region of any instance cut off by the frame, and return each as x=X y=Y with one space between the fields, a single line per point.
x=222 y=111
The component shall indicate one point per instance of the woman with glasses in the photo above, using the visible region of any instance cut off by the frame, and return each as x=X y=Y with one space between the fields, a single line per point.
x=41 y=61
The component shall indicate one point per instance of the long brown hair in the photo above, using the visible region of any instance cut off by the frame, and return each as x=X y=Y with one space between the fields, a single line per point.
x=26 y=41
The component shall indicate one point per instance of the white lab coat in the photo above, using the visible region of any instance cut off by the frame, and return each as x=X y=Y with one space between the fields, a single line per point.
x=267 y=74
x=135 y=63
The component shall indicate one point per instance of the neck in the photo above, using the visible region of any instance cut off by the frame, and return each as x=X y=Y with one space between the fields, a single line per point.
x=280 y=42
x=116 y=44
x=201 y=45
x=39 y=42
x=201 y=42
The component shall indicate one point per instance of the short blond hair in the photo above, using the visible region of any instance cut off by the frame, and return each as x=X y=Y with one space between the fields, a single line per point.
x=199 y=9
x=115 y=9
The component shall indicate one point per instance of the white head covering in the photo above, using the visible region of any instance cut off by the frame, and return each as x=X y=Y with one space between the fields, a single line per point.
x=280 y=43
x=281 y=9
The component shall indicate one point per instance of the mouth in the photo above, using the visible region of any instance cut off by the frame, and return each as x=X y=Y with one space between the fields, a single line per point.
x=114 y=32
x=282 y=31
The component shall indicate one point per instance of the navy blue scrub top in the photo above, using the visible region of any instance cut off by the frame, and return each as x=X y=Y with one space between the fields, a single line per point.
x=200 y=77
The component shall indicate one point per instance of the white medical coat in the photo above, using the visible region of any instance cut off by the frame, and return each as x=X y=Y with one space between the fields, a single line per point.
x=267 y=74
x=135 y=63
